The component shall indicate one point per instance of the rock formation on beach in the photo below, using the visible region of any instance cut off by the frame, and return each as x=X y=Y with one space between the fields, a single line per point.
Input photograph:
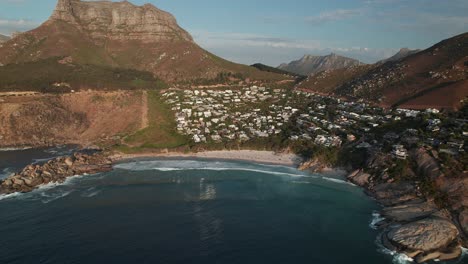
x=55 y=171
x=414 y=224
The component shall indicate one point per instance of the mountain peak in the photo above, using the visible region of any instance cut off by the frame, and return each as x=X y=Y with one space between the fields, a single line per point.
x=119 y=20
x=122 y=35
x=310 y=64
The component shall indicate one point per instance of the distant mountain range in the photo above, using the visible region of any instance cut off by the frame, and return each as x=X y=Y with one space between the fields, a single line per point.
x=4 y=38
x=435 y=77
x=401 y=54
x=309 y=64
x=123 y=35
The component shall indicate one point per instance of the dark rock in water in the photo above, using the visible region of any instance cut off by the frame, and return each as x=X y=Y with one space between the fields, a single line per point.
x=56 y=170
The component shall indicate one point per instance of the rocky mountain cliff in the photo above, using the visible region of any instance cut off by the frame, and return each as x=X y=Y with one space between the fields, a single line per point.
x=121 y=21
x=309 y=64
x=121 y=34
x=401 y=54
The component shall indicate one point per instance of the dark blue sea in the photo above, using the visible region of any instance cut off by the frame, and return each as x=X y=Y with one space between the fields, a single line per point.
x=180 y=211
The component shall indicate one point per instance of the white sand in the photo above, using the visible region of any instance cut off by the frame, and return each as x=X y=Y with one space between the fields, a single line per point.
x=246 y=155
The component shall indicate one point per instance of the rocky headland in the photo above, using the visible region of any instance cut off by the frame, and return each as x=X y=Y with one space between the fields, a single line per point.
x=426 y=220
x=55 y=171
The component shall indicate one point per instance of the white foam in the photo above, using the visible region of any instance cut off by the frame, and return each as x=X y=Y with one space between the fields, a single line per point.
x=14 y=149
x=44 y=192
x=91 y=192
x=376 y=219
x=398 y=258
x=187 y=165
x=8 y=196
x=47 y=197
x=335 y=180
x=35 y=161
x=6 y=172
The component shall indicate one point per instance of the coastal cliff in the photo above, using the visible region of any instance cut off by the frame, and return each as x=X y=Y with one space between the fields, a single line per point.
x=425 y=214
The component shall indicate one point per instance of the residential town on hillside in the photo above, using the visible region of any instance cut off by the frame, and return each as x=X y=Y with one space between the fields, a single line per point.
x=260 y=112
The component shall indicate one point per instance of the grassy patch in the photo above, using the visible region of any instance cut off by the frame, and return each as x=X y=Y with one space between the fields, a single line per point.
x=161 y=132
x=43 y=74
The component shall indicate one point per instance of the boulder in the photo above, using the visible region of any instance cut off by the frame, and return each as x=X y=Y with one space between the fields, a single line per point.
x=18 y=181
x=359 y=178
x=409 y=211
x=7 y=182
x=69 y=161
x=394 y=193
x=428 y=235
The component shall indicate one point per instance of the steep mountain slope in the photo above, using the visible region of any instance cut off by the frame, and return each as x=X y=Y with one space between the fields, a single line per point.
x=120 y=34
x=4 y=38
x=57 y=75
x=436 y=77
x=401 y=54
x=309 y=64
x=267 y=68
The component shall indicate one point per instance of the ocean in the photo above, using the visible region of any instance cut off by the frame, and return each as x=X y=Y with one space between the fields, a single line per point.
x=189 y=211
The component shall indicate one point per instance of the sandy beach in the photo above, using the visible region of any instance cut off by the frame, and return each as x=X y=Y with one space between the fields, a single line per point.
x=269 y=157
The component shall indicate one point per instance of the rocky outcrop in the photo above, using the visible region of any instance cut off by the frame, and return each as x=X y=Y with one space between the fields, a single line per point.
x=313 y=165
x=427 y=165
x=409 y=212
x=56 y=170
x=359 y=178
x=427 y=239
x=390 y=194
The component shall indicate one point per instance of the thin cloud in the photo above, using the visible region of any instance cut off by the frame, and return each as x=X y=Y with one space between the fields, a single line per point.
x=252 y=48
x=334 y=15
x=8 y=26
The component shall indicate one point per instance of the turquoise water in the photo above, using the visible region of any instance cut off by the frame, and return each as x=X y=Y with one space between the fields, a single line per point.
x=191 y=211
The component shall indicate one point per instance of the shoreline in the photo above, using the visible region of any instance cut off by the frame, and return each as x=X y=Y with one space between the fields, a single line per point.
x=401 y=203
x=265 y=157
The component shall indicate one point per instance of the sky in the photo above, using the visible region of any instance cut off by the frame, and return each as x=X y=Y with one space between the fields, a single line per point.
x=277 y=31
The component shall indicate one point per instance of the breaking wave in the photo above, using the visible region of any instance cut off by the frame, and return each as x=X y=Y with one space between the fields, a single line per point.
x=398 y=258
x=201 y=165
x=91 y=192
x=186 y=165
x=376 y=219
x=46 y=193
x=14 y=149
